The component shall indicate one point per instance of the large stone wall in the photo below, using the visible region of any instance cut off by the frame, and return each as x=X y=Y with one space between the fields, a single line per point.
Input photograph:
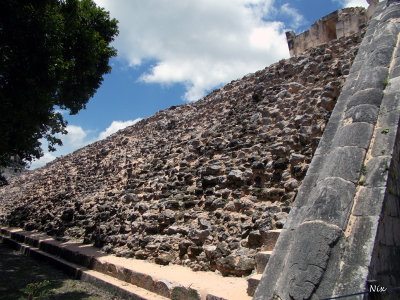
x=344 y=226
x=338 y=24
x=199 y=184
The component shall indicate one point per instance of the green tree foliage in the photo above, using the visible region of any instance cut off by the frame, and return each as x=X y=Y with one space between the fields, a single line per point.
x=53 y=54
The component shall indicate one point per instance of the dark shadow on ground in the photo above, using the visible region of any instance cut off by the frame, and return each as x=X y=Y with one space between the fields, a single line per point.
x=17 y=270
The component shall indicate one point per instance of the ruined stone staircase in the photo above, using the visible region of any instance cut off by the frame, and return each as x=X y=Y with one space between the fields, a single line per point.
x=127 y=277
x=262 y=260
x=135 y=279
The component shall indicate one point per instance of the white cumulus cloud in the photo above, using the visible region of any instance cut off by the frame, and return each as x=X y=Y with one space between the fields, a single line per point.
x=297 y=18
x=46 y=158
x=75 y=137
x=115 y=126
x=202 y=43
x=353 y=3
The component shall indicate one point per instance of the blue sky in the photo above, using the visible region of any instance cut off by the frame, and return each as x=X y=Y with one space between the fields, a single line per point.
x=171 y=52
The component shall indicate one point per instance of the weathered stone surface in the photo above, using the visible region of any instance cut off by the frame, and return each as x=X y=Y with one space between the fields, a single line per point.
x=252 y=283
x=262 y=259
x=369 y=202
x=355 y=134
x=163 y=287
x=192 y=177
x=343 y=263
x=368 y=96
x=308 y=258
x=344 y=162
x=332 y=201
x=363 y=113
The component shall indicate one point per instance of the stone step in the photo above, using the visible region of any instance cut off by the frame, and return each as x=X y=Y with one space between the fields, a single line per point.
x=252 y=283
x=102 y=281
x=270 y=238
x=172 y=282
x=262 y=259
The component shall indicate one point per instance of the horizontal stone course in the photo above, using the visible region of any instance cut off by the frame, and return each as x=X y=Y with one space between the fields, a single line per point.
x=192 y=286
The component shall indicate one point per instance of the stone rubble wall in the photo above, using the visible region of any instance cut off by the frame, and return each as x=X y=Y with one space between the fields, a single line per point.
x=198 y=184
x=344 y=226
x=340 y=23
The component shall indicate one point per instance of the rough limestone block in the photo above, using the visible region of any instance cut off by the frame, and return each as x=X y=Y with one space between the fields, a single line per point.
x=143 y=281
x=297 y=216
x=98 y=266
x=270 y=238
x=363 y=113
x=262 y=259
x=384 y=139
x=369 y=202
x=344 y=162
x=372 y=78
x=355 y=134
x=368 y=96
x=163 y=287
x=395 y=72
x=252 y=283
x=390 y=13
x=316 y=165
x=357 y=255
x=377 y=170
x=332 y=201
x=111 y=270
x=391 y=101
x=308 y=184
x=308 y=259
x=380 y=57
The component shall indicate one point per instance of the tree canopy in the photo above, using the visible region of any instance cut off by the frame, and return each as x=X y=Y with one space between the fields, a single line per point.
x=53 y=55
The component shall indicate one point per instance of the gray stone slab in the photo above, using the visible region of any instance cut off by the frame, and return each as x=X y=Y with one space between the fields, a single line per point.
x=368 y=96
x=332 y=272
x=298 y=216
x=356 y=66
x=390 y=13
x=384 y=141
x=395 y=71
x=316 y=164
x=380 y=57
x=325 y=143
x=344 y=162
x=355 y=134
x=309 y=182
x=377 y=171
x=363 y=113
x=308 y=259
x=372 y=78
x=369 y=202
x=357 y=256
x=332 y=201
x=390 y=118
x=391 y=102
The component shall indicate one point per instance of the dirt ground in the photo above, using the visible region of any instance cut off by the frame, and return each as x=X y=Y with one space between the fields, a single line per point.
x=17 y=271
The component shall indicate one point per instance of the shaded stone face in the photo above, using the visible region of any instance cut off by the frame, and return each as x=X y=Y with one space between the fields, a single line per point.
x=201 y=184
